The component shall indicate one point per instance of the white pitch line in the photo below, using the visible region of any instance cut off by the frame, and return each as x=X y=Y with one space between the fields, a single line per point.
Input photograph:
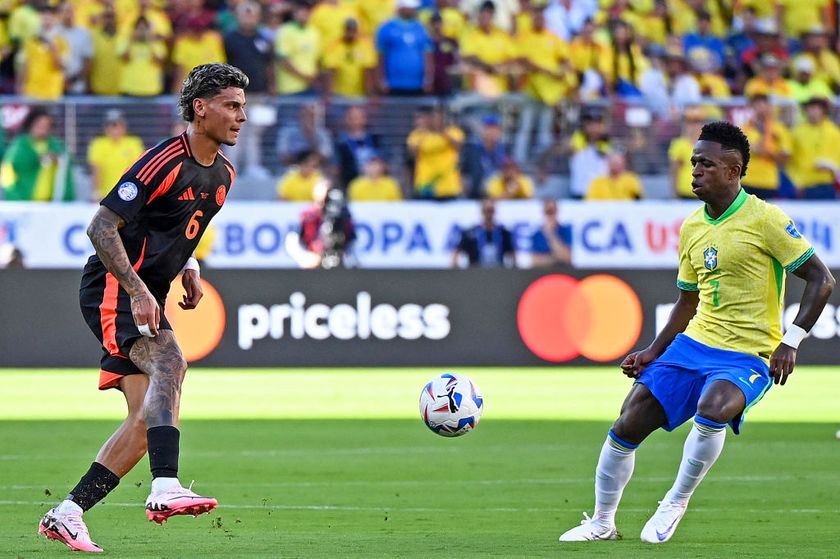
x=549 y=481
x=350 y=451
x=382 y=509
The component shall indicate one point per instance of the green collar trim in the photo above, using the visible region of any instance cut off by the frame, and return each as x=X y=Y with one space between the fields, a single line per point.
x=733 y=207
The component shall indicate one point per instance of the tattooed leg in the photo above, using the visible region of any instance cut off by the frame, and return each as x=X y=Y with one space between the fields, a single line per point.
x=161 y=359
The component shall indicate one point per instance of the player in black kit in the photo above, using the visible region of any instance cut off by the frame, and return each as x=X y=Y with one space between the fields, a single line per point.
x=144 y=234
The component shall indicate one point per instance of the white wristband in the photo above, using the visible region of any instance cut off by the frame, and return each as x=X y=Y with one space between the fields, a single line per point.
x=192 y=264
x=794 y=336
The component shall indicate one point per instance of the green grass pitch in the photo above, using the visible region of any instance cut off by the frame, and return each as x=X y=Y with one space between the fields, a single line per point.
x=336 y=463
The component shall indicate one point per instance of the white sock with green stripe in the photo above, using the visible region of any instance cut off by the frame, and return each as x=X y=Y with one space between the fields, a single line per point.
x=702 y=447
x=615 y=467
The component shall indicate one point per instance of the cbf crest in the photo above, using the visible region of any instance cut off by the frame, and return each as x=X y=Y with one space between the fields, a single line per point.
x=710 y=258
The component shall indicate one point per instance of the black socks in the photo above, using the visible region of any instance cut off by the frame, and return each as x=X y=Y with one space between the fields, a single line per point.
x=164 y=444
x=94 y=485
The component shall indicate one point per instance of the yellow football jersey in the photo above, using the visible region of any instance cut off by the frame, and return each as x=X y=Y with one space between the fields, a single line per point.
x=738 y=262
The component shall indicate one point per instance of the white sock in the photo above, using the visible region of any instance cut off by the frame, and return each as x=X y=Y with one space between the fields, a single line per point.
x=68 y=507
x=702 y=447
x=615 y=466
x=161 y=484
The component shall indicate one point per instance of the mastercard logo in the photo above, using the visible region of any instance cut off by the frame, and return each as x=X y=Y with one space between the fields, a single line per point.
x=199 y=330
x=561 y=318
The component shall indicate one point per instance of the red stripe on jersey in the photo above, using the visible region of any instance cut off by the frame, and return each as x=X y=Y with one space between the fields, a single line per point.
x=186 y=144
x=166 y=184
x=156 y=169
x=138 y=159
x=232 y=174
x=157 y=157
x=108 y=308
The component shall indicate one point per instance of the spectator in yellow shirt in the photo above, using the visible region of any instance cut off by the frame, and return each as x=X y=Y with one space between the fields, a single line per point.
x=329 y=17
x=197 y=44
x=763 y=9
x=298 y=183
x=43 y=58
x=653 y=26
x=618 y=183
x=105 y=66
x=143 y=58
x=452 y=19
x=769 y=80
x=297 y=48
x=815 y=45
x=804 y=84
x=375 y=185
x=435 y=149
x=770 y=148
x=24 y=22
x=706 y=71
x=349 y=64
x=815 y=159
x=685 y=15
x=110 y=154
x=798 y=16
x=488 y=53
x=373 y=13
x=625 y=62
x=511 y=183
x=680 y=150
x=156 y=15
x=586 y=51
x=548 y=79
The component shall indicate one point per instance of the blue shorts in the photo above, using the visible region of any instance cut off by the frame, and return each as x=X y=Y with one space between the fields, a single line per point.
x=679 y=377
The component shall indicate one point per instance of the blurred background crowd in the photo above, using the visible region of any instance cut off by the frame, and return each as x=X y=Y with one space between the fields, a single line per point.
x=430 y=99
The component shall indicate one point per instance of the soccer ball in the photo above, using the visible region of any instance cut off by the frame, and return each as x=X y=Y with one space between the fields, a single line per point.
x=451 y=405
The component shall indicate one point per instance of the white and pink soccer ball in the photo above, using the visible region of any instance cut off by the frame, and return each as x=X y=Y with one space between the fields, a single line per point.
x=451 y=405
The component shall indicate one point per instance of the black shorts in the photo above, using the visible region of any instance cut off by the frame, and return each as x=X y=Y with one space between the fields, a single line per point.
x=107 y=311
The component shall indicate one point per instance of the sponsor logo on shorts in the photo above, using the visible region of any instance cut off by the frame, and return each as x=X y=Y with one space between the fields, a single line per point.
x=127 y=191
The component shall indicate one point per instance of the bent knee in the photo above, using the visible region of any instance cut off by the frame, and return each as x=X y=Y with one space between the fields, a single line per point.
x=719 y=413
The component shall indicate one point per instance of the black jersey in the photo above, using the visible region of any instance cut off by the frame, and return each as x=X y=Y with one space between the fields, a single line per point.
x=166 y=199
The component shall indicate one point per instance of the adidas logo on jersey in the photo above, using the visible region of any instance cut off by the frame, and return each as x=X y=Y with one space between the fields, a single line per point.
x=187 y=194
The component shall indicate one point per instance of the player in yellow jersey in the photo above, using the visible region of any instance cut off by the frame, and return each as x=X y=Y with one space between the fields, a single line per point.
x=722 y=347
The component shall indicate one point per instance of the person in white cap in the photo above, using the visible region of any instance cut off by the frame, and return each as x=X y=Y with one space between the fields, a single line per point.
x=805 y=84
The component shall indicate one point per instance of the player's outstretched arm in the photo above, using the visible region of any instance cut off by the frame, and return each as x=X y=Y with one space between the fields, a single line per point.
x=682 y=313
x=104 y=234
x=819 y=283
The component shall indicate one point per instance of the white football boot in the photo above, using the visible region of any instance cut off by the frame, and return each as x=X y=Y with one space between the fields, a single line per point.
x=664 y=521
x=69 y=529
x=590 y=529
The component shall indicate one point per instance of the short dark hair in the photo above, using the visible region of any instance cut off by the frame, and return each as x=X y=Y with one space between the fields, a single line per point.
x=730 y=137
x=487 y=5
x=206 y=81
x=303 y=156
x=34 y=114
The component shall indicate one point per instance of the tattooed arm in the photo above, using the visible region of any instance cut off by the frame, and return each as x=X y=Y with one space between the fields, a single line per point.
x=104 y=234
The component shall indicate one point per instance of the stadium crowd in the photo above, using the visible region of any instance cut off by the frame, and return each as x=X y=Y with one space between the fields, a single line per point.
x=506 y=93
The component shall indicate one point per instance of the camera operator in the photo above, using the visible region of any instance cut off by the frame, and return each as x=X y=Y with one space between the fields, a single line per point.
x=326 y=234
